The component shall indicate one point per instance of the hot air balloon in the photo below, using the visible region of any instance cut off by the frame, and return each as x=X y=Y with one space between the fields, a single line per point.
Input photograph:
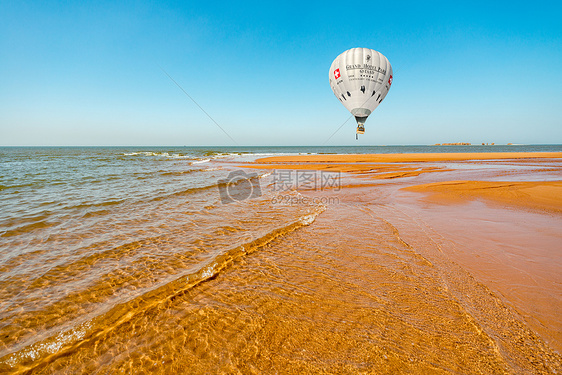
x=360 y=78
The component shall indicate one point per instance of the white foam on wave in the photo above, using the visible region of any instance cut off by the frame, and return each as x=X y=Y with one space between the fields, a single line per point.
x=208 y=272
x=158 y=154
x=178 y=156
x=48 y=347
x=225 y=155
x=309 y=219
x=201 y=161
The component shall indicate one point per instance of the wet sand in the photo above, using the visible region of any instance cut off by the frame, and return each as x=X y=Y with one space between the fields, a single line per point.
x=496 y=215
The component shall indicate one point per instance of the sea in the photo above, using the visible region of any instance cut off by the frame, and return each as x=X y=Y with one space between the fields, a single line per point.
x=149 y=260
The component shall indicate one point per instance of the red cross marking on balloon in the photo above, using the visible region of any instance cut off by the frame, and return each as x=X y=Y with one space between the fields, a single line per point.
x=337 y=73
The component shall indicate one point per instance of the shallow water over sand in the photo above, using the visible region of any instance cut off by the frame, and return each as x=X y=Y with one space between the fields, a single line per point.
x=160 y=276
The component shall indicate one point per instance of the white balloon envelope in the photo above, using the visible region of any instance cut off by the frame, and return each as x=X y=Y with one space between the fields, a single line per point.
x=360 y=78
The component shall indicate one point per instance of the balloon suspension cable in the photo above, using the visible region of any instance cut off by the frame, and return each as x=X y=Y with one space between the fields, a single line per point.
x=337 y=130
x=197 y=104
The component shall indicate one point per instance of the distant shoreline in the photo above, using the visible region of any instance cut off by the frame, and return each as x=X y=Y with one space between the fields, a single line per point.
x=470 y=144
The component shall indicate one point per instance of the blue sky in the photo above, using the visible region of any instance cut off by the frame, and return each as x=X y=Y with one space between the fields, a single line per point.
x=88 y=73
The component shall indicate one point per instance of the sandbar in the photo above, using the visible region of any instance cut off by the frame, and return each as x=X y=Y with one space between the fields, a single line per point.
x=543 y=195
x=407 y=158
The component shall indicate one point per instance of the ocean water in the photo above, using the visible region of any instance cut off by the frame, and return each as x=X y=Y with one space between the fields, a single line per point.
x=144 y=259
x=85 y=231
